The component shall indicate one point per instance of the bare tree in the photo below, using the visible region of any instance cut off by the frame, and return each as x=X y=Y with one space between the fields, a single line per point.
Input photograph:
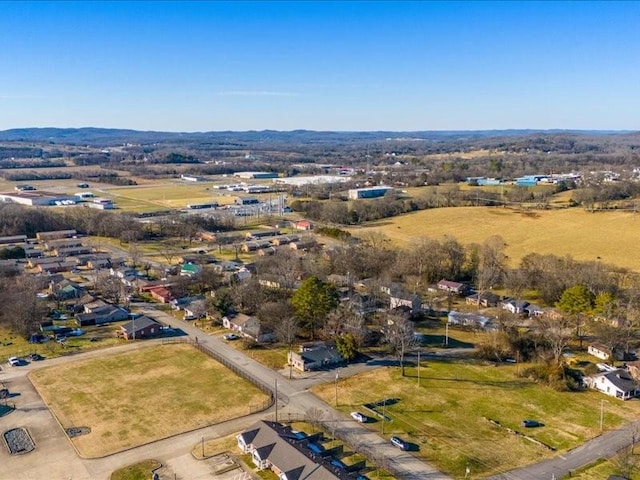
x=112 y=289
x=557 y=332
x=399 y=334
x=287 y=331
x=135 y=253
x=23 y=310
x=315 y=416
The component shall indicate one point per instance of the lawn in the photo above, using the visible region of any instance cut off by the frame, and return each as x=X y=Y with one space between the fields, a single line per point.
x=14 y=345
x=603 y=468
x=141 y=396
x=139 y=471
x=571 y=231
x=448 y=414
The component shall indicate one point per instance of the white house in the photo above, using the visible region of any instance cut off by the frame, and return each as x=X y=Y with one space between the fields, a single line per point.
x=599 y=350
x=617 y=383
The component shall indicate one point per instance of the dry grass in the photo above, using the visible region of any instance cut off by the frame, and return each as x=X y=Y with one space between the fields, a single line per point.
x=446 y=416
x=137 y=397
x=139 y=471
x=583 y=235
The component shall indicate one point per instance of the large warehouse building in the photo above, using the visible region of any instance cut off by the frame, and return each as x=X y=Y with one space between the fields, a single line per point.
x=38 y=198
x=369 y=192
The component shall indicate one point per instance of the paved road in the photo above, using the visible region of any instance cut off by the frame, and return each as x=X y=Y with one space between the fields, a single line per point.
x=55 y=458
x=603 y=446
x=299 y=400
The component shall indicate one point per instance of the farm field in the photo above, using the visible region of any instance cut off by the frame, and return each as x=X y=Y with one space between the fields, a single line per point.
x=135 y=398
x=610 y=236
x=447 y=415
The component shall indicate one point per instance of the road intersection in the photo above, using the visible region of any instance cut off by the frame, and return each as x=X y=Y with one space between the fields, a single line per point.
x=55 y=458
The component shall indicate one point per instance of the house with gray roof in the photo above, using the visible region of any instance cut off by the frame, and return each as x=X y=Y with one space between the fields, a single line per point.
x=320 y=355
x=289 y=454
x=618 y=383
x=141 y=327
x=250 y=327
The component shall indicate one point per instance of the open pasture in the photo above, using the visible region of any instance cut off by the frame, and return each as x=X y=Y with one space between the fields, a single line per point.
x=609 y=236
x=447 y=415
x=137 y=397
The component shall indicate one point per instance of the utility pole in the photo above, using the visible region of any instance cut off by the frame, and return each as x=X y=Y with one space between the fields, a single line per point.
x=336 y=383
x=601 y=415
x=446 y=334
x=276 y=395
x=418 y=367
x=384 y=404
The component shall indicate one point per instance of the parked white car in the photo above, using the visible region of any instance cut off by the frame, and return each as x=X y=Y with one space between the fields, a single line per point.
x=14 y=361
x=359 y=417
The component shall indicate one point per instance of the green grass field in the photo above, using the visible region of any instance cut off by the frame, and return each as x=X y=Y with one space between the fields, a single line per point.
x=612 y=235
x=141 y=396
x=448 y=414
x=139 y=471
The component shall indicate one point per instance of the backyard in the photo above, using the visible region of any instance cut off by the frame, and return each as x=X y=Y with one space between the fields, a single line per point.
x=134 y=398
x=463 y=415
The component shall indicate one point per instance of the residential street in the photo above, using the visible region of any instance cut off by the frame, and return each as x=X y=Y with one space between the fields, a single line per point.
x=55 y=457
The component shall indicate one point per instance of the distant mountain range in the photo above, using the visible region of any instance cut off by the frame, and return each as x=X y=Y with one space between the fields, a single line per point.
x=112 y=137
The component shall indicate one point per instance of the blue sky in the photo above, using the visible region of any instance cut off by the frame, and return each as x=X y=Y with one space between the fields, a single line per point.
x=198 y=66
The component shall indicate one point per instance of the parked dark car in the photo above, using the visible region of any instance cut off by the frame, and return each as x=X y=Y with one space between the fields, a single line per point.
x=531 y=423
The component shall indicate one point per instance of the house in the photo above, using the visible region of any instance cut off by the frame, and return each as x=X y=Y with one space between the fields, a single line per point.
x=534 y=310
x=407 y=300
x=67 y=290
x=302 y=225
x=284 y=240
x=262 y=234
x=449 y=286
x=122 y=272
x=190 y=270
x=196 y=309
x=141 y=327
x=71 y=251
x=484 y=299
x=183 y=302
x=472 y=320
x=514 y=306
x=226 y=266
x=315 y=357
x=276 y=282
x=303 y=245
x=98 y=262
x=599 y=350
x=101 y=315
x=250 y=327
x=44 y=236
x=291 y=455
x=618 y=383
x=254 y=245
x=62 y=243
x=160 y=293
x=56 y=267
